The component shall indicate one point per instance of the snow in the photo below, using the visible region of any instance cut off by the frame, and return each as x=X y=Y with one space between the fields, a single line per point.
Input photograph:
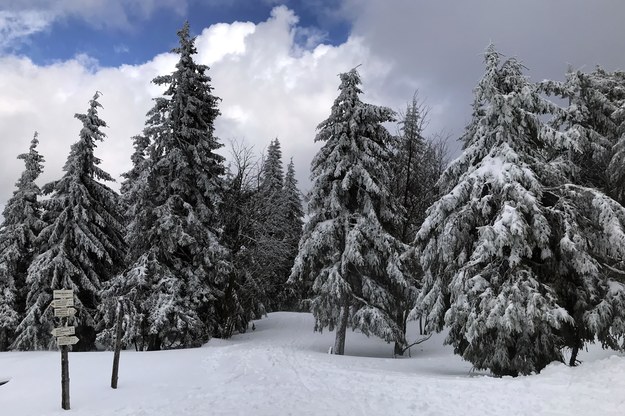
x=283 y=368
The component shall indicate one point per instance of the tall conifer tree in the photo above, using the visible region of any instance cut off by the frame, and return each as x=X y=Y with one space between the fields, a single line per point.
x=270 y=246
x=417 y=166
x=272 y=175
x=483 y=243
x=347 y=250
x=293 y=223
x=179 y=268
x=587 y=223
x=241 y=216
x=513 y=254
x=83 y=245
x=130 y=288
x=18 y=231
x=294 y=212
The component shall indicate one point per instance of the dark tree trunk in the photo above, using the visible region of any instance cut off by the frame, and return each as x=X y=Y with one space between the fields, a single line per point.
x=573 y=360
x=118 y=345
x=404 y=231
x=402 y=317
x=64 y=377
x=154 y=343
x=3 y=339
x=341 y=330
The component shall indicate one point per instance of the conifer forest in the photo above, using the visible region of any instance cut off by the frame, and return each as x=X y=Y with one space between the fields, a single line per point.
x=514 y=250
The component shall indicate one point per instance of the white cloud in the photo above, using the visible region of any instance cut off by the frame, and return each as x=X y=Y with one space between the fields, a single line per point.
x=20 y=19
x=269 y=88
x=222 y=39
x=121 y=48
x=15 y=26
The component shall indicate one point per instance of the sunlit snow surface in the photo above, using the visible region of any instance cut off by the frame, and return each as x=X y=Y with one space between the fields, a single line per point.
x=283 y=368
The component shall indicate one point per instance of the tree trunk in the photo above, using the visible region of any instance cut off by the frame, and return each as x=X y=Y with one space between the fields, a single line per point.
x=573 y=360
x=341 y=330
x=3 y=339
x=154 y=343
x=401 y=320
x=404 y=231
x=64 y=377
x=118 y=344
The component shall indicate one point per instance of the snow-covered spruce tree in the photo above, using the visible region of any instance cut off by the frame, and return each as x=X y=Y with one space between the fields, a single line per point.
x=597 y=110
x=588 y=271
x=81 y=247
x=485 y=247
x=129 y=288
x=240 y=218
x=22 y=223
x=293 y=223
x=138 y=173
x=274 y=249
x=272 y=174
x=293 y=205
x=270 y=246
x=409 y=152
x=347 y=250
x=417 y=165
x=176 y=252
x=587 y=224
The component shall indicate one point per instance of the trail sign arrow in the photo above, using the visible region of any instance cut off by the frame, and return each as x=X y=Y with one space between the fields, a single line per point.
x=63 y=294
x=62 y=303
x=64 y=312
x=64 y=331
x=60 y=341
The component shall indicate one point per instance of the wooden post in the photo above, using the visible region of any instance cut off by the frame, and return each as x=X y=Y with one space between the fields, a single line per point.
x=64 y=377
x=118 y=344
x=63 y=302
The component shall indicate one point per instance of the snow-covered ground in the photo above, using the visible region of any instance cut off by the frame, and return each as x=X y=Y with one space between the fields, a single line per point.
x=283 y=368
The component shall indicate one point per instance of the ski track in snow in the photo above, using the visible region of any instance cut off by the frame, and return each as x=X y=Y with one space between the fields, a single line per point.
x=283 y=368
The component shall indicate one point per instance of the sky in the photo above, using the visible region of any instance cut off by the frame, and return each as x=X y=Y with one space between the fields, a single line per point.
x=273 y=63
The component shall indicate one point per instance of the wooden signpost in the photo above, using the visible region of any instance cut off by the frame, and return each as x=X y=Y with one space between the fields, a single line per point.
x=60 y=341
x=64 y=331
x=63 y=308
x=64 y=312
x=64 y=294
x=63 y=303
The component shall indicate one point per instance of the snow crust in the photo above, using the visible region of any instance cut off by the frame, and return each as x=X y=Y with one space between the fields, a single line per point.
x=283 y=368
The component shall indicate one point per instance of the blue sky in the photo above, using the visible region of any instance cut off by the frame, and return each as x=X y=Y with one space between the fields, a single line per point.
x=148 y=35
x=274 y=64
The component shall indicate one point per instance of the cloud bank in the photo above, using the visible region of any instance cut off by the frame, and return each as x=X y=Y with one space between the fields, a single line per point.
x=22 y=18
x=276 y=80
x=270 y=87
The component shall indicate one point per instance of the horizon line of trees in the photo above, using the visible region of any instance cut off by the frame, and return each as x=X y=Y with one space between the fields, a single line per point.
x=517 y=246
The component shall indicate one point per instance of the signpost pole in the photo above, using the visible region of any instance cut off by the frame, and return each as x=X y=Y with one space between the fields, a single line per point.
x=118 y=344
x=64 y=377
x=62 y=302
